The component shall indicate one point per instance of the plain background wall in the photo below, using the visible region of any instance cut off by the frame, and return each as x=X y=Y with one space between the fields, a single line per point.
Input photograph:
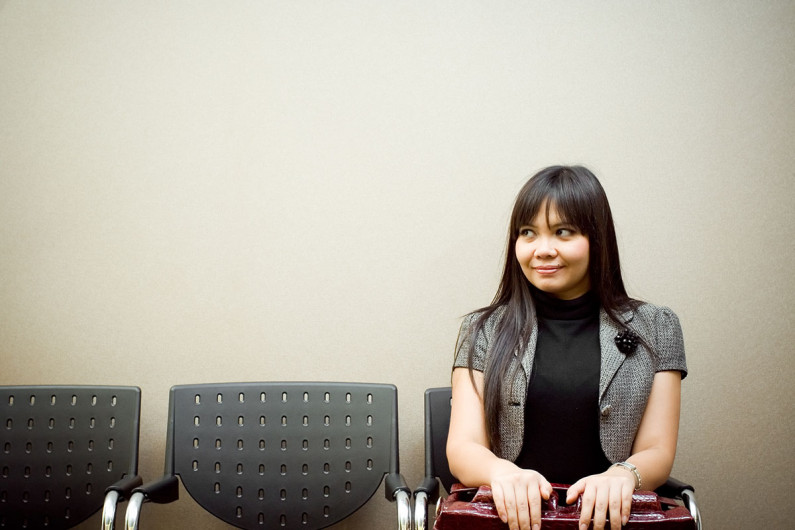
x=222 y=191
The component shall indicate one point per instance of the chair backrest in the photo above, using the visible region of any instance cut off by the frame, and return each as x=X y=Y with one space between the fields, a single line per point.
x=437 y=424
x=62 y=446
x=282 y=455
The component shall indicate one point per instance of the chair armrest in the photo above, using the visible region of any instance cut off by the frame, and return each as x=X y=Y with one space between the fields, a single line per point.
x=396 y=489
x=426 y=493
x=160 y=491
x=673 y=488
x=429 y=486
x=125 y=486
x=393 y=484
x=676 y=488
x=114 y=494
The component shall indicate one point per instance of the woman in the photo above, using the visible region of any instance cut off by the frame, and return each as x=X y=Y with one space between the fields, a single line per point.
x=564 y=378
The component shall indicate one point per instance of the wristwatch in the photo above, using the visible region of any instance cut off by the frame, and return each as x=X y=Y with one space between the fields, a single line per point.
x=632 y=469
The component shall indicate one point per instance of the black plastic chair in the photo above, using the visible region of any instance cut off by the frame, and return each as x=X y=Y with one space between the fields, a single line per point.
x=437 y=424
x=66 y=451
x=280 y=455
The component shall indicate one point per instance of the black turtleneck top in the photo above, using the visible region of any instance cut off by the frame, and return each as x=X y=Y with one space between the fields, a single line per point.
x=561 y=438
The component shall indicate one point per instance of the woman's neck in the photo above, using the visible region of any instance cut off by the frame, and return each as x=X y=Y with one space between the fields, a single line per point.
x=549 y=306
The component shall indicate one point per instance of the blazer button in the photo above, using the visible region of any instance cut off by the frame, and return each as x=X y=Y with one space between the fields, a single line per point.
x=606 y=411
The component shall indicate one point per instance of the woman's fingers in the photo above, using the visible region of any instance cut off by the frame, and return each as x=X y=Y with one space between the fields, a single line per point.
x=517 y=505
x=587 y=505
x=616 y=498
x=600 y=508
x=506 y=504
x=603 y=499
x=626 y=502
x=523 y=503
x=518 y=498
x=499 y=501
x=574 y=491
x=534 y=495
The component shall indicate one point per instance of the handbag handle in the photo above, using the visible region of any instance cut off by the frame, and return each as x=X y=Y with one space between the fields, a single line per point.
x=642 y=501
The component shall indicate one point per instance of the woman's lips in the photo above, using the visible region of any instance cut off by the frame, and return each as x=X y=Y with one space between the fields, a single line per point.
x=547 y=269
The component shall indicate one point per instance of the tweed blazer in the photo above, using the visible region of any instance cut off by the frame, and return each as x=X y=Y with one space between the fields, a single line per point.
x=624 y=384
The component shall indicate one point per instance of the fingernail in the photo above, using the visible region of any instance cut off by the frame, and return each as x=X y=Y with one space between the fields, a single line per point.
x=536 y=526
x=624 y=520
x=583 y=527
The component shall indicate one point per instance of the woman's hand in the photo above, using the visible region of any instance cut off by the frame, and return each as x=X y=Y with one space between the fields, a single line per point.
x=517 y=495
x=609 y=492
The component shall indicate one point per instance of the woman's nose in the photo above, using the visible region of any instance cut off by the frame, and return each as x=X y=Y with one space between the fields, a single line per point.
x=545 y=248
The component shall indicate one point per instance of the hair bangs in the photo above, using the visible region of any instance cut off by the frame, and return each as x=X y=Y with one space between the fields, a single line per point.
x=556 y=188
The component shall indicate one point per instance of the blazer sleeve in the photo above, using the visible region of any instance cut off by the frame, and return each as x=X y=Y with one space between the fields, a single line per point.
x=669 y=343
x=464 y=344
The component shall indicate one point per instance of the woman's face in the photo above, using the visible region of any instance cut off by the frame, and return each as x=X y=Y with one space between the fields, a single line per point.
x=554 y=255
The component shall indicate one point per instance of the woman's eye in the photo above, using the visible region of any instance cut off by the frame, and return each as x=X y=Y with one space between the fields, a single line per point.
x=565 y=232
x=526 y=232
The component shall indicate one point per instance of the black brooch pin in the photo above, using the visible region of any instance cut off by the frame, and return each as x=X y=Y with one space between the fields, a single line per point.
x=627 y=341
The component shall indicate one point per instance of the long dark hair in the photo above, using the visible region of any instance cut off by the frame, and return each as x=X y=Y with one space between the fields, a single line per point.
x=580 y=200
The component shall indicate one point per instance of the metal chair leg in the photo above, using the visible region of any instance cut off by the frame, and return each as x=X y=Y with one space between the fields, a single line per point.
x=689 y=497
x=403 y=510
x=133 y=511
x=420 y=511
x=109 y=510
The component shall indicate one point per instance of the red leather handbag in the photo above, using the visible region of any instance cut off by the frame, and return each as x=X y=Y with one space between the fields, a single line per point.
x=473 y=509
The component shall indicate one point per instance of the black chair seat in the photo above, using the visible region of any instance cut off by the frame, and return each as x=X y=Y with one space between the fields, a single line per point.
x=280 y=455
x=62 y=448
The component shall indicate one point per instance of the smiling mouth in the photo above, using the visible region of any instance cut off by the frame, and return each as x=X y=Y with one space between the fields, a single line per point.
x=547 y=269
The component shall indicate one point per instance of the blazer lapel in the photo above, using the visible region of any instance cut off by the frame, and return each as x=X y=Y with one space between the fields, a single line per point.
x=530 y=352
x=612 y=358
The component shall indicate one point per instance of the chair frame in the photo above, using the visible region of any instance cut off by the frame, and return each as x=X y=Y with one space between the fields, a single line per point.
x=268 y=431
x=437 y=470
x=81 y=440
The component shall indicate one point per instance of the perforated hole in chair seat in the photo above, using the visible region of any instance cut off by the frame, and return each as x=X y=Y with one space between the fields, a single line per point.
x=61 y=448
x=283 y=455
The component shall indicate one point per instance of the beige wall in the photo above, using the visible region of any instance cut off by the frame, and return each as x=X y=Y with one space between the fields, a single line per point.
x=203 y=191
